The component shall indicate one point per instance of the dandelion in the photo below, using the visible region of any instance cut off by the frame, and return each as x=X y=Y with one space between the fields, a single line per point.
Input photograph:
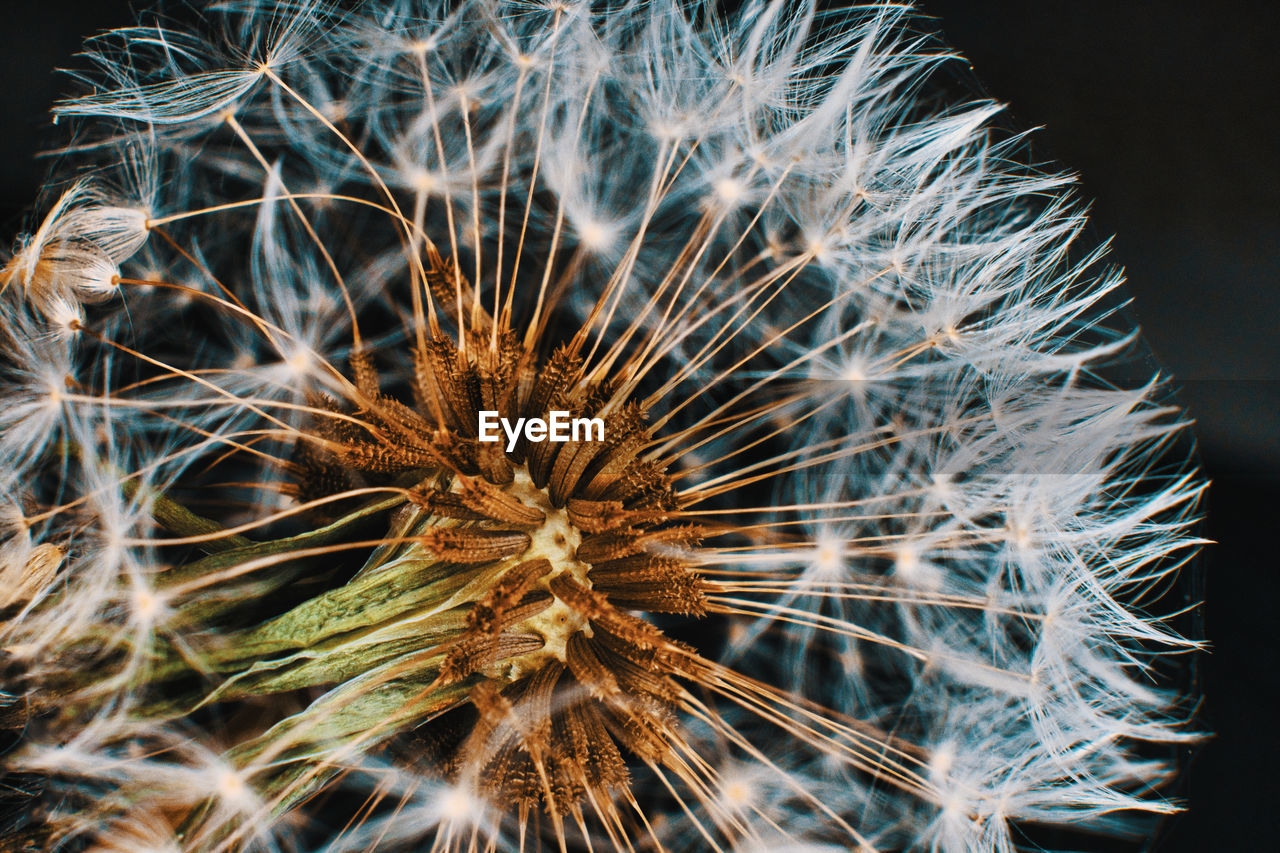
x=858 y=549
x=74 y=255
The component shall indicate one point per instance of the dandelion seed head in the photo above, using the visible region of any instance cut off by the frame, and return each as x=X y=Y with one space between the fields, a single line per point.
x=906 y=560
x=854 y=370
x=730 y=192
x=821 y=246
x=243 y=361
x=232 y=789
x=941 y=762
x=459 y=807
x=854 y=565
x=596 y=235
x=66 y=320
x=146 y=606
x=424 y=45
x=300 y=363
x=828 y=561
x=749 y=789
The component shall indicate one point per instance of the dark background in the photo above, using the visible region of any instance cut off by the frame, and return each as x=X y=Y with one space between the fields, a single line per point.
x=1168 y=112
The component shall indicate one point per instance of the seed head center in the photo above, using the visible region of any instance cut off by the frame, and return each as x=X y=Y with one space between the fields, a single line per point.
x=557 y=541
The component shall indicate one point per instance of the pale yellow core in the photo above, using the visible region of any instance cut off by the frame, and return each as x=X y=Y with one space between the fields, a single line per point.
x=557 y=541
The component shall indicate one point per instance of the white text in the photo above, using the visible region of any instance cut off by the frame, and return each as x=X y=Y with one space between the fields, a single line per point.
x=557 y=427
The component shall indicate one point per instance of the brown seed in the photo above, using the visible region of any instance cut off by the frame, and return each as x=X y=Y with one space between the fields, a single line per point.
x=364 y=372
x=596 y=607
x=494 y=503
x=474 y=544
x=595 y=516
x=587 y=667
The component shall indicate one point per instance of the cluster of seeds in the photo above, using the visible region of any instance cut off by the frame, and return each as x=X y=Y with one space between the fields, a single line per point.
x=554 y=545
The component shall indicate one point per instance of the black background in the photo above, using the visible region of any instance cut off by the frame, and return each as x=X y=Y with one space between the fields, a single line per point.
x=1168 y=112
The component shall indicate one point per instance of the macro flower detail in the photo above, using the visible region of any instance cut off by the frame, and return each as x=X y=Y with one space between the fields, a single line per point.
x=74 y=255
x=522 y=567
x=867 y=552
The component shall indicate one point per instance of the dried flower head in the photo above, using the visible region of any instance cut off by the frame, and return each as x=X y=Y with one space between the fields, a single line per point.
x=818 y=517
